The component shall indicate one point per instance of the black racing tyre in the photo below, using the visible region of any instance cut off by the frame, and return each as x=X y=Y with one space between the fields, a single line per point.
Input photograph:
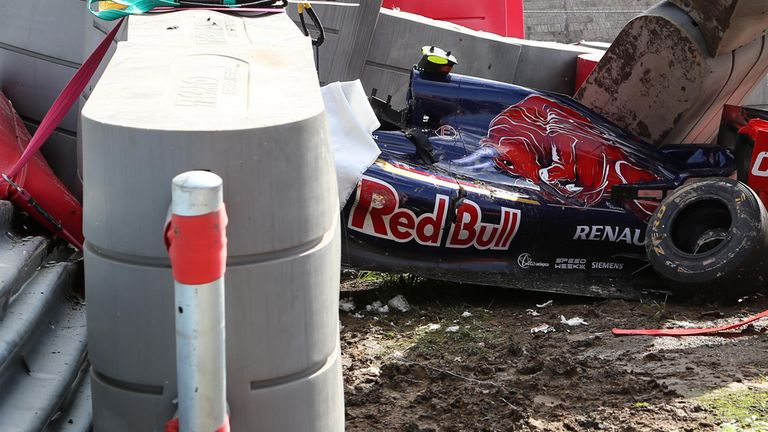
x=710 y=238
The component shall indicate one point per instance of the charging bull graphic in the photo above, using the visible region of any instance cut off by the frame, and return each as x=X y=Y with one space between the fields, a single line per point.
x=561 y=151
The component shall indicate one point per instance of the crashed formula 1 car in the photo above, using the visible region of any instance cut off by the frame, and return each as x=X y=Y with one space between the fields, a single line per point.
x=490 y=183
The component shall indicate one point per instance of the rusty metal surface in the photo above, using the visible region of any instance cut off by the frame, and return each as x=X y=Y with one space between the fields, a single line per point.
x=727 y=24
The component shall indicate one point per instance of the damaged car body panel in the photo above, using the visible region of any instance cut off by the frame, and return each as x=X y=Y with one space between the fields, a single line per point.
x=495 y=184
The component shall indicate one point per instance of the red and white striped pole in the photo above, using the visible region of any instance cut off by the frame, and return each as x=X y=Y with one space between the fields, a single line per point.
x=197 y=245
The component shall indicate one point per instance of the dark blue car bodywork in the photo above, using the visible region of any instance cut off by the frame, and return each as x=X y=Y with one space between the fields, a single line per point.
x=462 y=207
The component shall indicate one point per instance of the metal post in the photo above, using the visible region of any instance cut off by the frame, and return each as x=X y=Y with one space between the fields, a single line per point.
x=200 y=332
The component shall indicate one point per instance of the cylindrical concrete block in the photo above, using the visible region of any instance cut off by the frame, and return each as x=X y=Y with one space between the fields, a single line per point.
x=252 y=114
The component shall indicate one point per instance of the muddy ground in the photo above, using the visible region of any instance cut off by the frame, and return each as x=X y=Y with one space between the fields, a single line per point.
x=464 y=358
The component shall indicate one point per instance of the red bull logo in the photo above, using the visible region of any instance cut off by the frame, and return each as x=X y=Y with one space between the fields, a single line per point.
x=550 y=144
x=377 y=212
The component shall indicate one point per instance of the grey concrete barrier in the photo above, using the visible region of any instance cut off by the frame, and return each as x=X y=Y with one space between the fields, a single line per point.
x=348 y=35
x=44 y=40
x=399 y=37
x=246 y=105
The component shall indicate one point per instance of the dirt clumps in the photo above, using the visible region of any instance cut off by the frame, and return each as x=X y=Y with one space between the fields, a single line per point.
x=405 y=372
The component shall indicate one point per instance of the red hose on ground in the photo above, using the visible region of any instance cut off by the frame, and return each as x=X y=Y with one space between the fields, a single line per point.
x=713 y=331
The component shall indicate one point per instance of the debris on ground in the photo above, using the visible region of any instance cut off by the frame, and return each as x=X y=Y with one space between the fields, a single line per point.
x=377 y=307
x=543 y=328
x=497 y=375
x=452 y=329
x=399 y=303
x=371 y=371
x=466 y=314
x=532 y=312
x=573 y=322
x=346 y=305
x=545 y=304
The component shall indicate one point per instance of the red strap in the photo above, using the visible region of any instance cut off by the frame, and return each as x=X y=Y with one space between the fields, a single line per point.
x=65 y=101
x=197 y=246
x=172 y=425
x=689 y=331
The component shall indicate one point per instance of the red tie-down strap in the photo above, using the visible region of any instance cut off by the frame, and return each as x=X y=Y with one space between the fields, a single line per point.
x=197 y=246
x=173 y=425
x=690 y=331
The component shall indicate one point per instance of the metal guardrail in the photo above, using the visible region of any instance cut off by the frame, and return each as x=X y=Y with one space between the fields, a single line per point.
x=42 y=334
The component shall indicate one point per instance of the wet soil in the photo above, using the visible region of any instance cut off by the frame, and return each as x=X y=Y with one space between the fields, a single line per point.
x=464 y=358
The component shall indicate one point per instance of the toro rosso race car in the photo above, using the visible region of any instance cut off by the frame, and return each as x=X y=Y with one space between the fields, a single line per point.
x=491 y=183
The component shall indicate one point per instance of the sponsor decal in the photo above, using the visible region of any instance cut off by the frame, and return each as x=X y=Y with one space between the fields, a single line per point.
x=610 y=234
x=757 y=129
x=571 y=264
x=760 y=168
x=447 y=131
x=526 y=261
x=607 y=266
x=470 y=231
x=377 y=212
x=551 y=144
